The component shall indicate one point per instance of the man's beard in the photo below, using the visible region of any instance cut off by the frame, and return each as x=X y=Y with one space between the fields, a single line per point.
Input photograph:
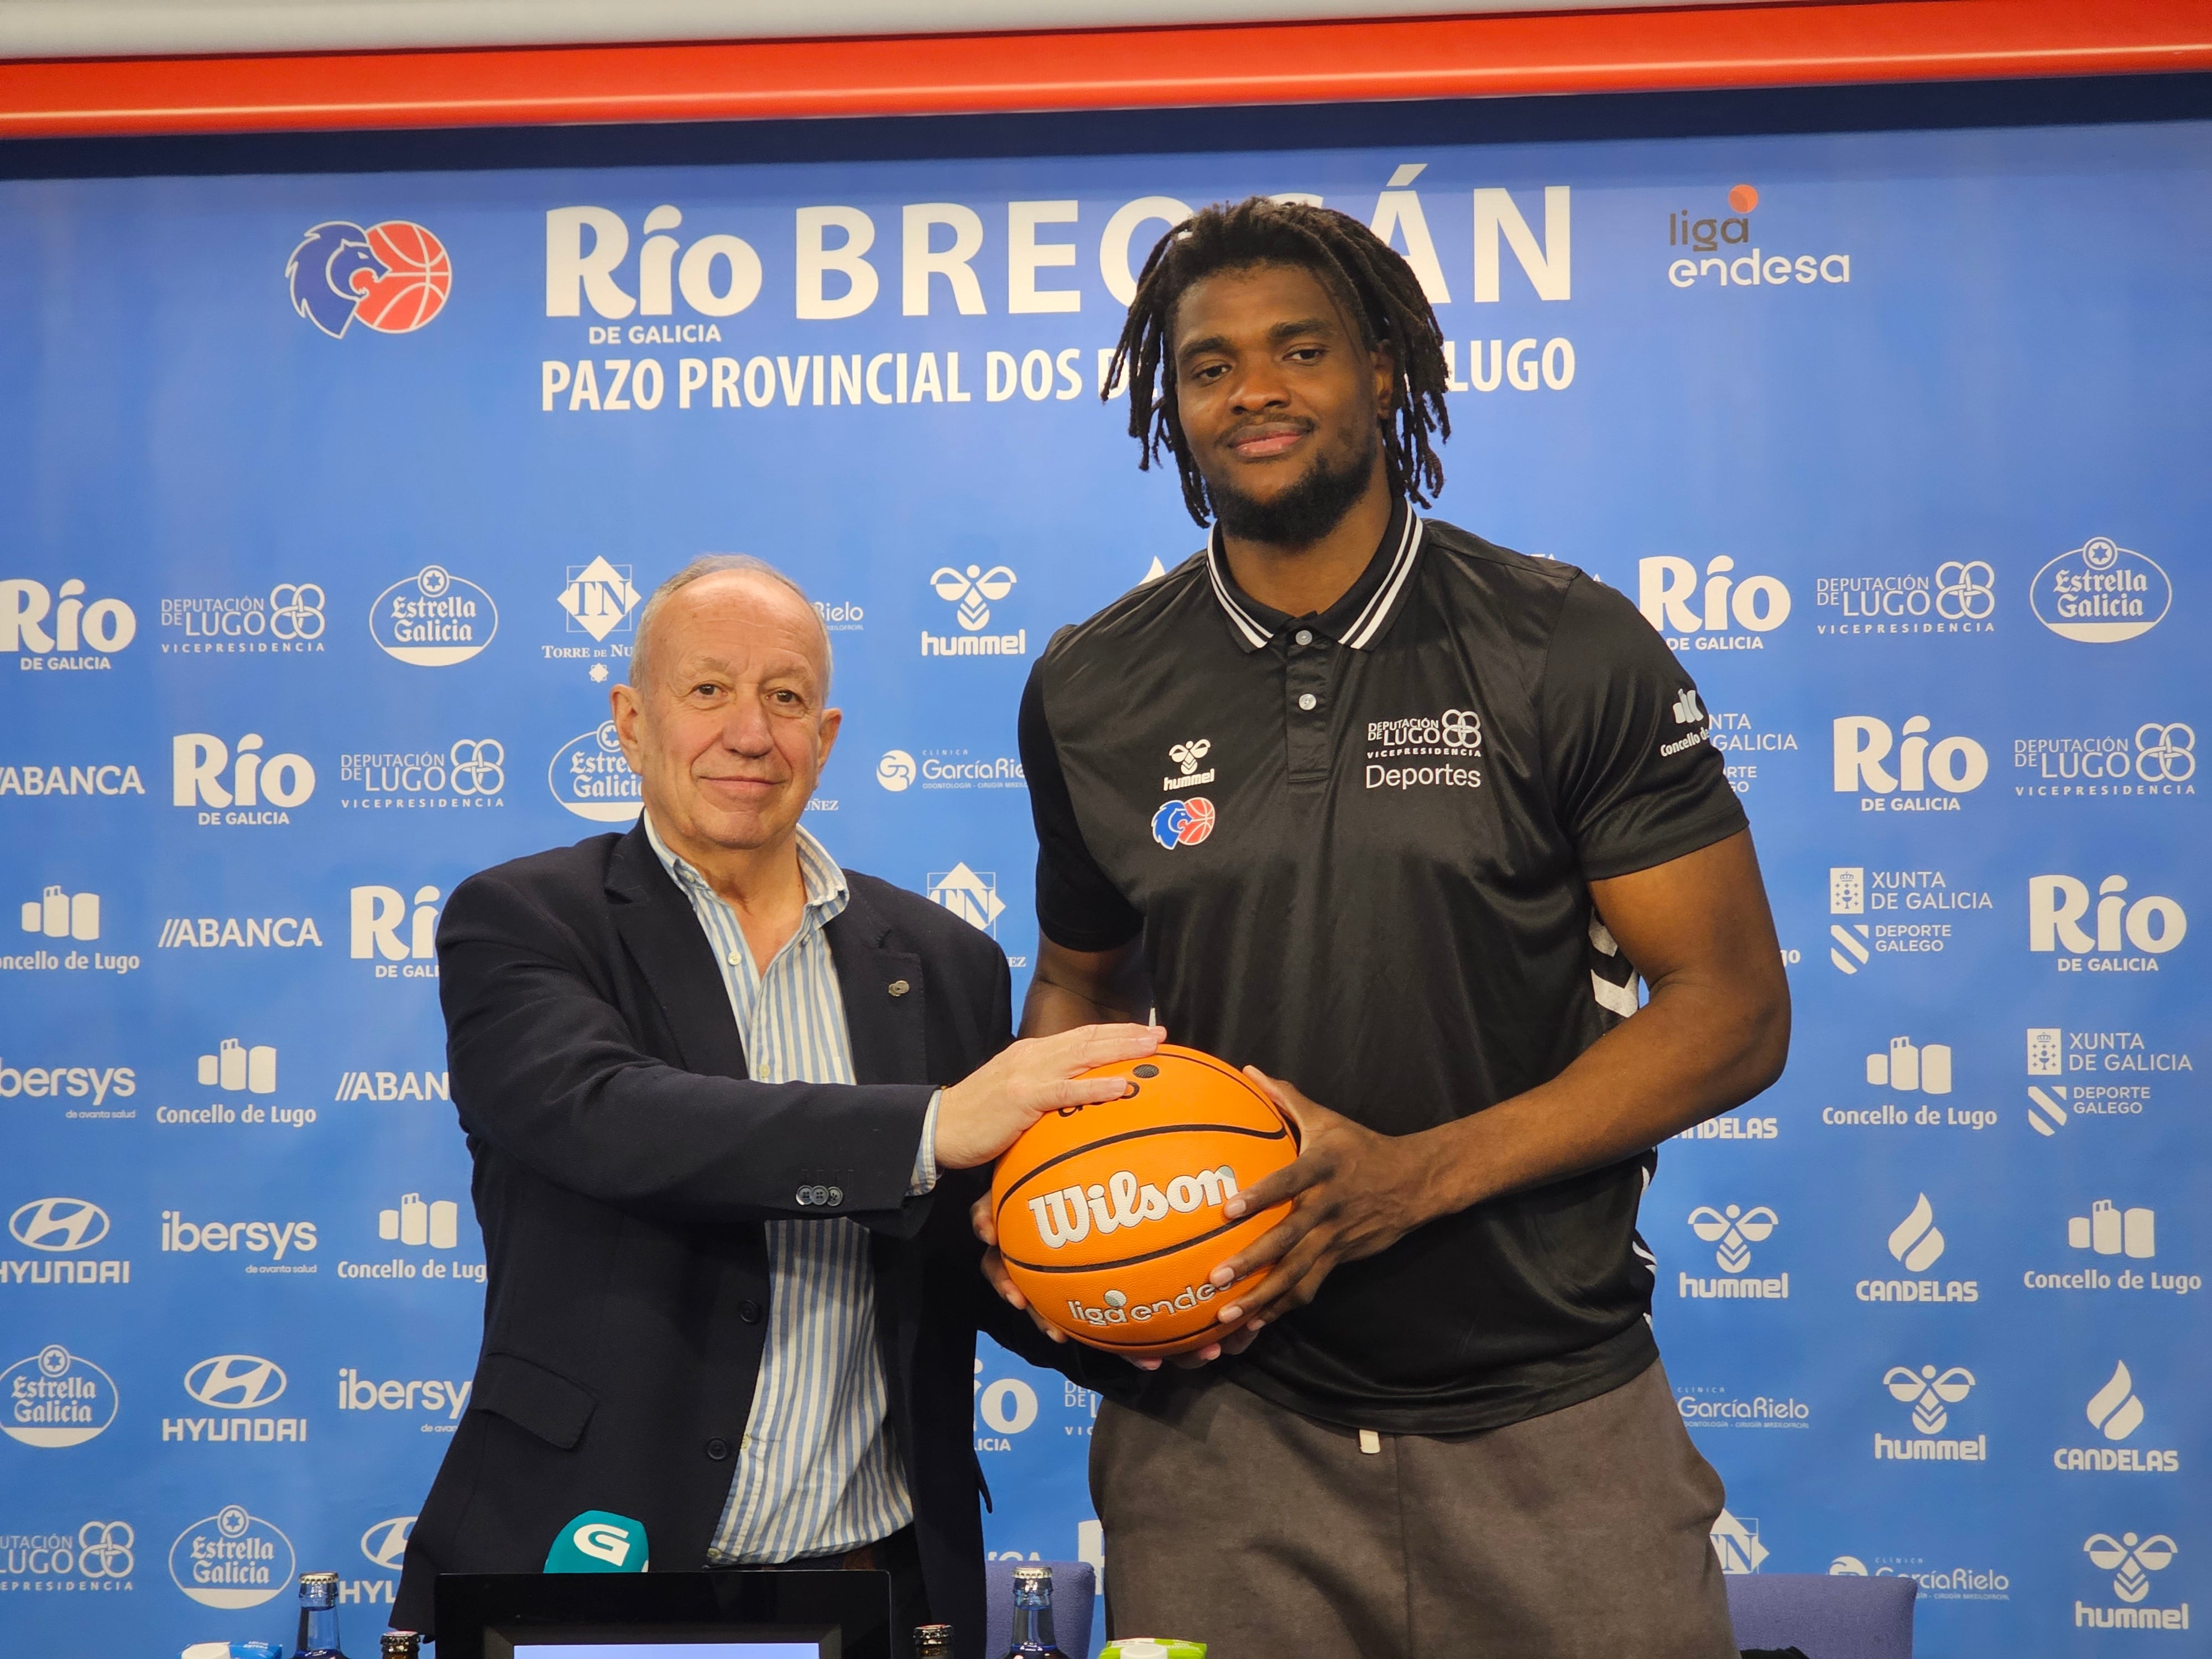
x=1305 y=512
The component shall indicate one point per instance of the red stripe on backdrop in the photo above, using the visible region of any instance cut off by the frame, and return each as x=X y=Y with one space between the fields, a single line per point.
x=1469 y=56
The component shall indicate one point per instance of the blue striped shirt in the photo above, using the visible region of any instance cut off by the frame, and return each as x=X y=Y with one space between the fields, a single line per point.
x=818 y=1473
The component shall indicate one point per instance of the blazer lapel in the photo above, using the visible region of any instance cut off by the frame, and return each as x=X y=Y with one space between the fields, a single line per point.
x=671 y=949
x=883 y=990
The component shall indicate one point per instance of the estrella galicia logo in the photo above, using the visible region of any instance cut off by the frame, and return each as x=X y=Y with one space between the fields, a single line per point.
x=1183 y=823
x=392 y=276
x=59 y=1223
x=231 y=1559
x=235 y=1382
x=386 y=1543
x=433 y=619
x=2100 y=593
x=55 y=1398
x=590 y=775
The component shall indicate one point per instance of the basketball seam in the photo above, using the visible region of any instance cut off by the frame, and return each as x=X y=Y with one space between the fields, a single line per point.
x=1128 y=1261
x=1132 y=1135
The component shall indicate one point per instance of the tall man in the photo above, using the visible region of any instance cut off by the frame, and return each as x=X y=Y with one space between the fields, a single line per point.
x=1398 y=816
x=720 y=1093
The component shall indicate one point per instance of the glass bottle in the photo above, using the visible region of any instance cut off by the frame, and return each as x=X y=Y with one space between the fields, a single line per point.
x=932 y=1641
x=318 y=1617
x=1033 y=1635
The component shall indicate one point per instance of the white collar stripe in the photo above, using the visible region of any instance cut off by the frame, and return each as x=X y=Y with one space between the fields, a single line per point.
x=1239 y=618
x=1363 y=631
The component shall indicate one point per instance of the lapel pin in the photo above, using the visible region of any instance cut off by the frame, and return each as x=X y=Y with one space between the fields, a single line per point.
x=899 y=988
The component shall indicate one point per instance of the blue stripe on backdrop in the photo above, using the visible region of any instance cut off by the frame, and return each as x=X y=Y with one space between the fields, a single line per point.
x=312 y=592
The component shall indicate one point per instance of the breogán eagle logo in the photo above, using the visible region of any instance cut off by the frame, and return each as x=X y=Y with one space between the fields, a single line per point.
x=392 y=277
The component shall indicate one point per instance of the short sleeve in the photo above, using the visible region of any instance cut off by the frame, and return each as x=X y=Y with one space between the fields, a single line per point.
x=1628 y=739
x=1077 y=906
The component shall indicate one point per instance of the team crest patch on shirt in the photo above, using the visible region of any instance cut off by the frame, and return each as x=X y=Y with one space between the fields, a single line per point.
x=1183 y=823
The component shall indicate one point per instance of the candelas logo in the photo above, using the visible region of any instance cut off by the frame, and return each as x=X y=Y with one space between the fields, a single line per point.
x=83 y=634
x=392 y=277
x=2056 y=906
x=1918 y=1244
x=1955 y=766
x=1669 y=595
x=433 y=619
x=2100 y=593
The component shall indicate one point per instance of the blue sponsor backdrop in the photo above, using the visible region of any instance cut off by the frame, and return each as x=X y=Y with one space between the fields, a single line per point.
x=325 y=504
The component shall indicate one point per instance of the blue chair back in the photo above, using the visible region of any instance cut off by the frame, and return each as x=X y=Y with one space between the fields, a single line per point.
x=1074 y=1587
x=1828 y=1616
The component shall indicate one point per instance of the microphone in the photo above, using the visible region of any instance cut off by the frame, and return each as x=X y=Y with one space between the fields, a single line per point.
x=597 y=1542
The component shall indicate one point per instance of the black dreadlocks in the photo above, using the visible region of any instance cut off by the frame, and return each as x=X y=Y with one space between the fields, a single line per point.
x=1370 y=279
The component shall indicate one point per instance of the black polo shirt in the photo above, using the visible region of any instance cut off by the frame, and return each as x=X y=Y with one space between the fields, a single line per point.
x=1357 y=847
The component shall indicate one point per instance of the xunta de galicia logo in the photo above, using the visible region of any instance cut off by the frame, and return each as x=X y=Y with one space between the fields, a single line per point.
x=392 y=277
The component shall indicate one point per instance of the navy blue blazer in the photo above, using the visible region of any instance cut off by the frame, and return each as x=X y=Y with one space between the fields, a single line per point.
x=623 y=1167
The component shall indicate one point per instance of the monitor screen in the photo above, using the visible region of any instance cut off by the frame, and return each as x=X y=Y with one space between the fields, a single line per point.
x=684 y=1641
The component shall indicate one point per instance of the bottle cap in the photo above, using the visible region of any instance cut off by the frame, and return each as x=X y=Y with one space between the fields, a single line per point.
x=319 y=1589
x=1044 y=1573
x=400 y=1644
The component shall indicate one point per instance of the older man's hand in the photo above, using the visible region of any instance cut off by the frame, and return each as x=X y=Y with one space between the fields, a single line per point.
x=986 y=1112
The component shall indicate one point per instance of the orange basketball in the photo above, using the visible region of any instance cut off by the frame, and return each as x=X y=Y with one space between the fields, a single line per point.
x=1109 y=1217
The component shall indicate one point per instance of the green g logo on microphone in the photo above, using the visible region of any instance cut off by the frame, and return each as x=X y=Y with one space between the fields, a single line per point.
x=596 y=1541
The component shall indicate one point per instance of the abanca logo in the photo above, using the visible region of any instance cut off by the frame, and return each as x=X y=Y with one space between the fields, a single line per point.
x=392 y=277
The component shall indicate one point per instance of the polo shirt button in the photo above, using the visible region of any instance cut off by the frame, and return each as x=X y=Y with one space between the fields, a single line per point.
x=750 y=1312
x=1304 y=636
x=733 y=958
x=718 y=1448
x=1307 y=701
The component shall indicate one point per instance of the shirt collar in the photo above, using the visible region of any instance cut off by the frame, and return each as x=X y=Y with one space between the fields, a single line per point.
x=1358 y=619
x=827 y=894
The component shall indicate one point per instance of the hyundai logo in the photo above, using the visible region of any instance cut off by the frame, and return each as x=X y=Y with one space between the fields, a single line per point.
x=234 y=1382
x=386 y=1543
x=59 y=1223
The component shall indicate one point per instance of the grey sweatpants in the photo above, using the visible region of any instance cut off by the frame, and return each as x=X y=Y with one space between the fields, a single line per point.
x=1580 y=1535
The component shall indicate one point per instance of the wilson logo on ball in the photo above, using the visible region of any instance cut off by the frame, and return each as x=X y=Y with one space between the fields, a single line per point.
x=1065 y=1217
x=1111 y=1217
x=392 y=277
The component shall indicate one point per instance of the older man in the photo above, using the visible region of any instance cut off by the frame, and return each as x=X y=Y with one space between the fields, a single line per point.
x=717 y=1090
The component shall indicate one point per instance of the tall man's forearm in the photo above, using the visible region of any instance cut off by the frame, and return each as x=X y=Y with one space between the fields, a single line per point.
x=1085 y=988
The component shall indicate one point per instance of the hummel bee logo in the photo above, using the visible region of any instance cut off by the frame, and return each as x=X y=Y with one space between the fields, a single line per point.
x=1187 y=756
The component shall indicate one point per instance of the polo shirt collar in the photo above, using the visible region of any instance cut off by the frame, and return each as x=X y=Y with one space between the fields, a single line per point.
x=1358 y=619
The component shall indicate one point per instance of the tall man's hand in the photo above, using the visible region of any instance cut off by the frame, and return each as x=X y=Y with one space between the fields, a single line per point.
x=985 y=1113
x=1356 y=1192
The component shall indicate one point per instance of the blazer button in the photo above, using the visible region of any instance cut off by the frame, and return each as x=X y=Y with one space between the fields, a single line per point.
x=898 y=987
x=718 y=1448
x=837 y=1195
x=750 y=1312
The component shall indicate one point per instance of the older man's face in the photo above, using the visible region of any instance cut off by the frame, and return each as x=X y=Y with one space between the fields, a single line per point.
x=729 y=734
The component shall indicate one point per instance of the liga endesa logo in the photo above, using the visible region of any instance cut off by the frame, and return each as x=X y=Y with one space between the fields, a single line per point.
x=392 y=277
